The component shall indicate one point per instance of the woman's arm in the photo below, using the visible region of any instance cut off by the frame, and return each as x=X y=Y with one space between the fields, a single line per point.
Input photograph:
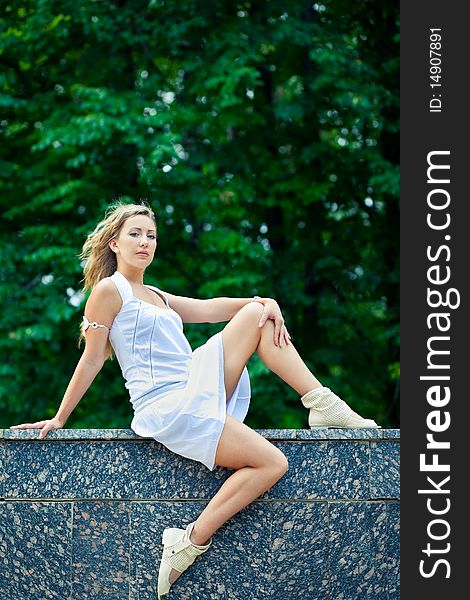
x=216 y=310
x=212 y=310
x=102 y=306
x=81 y=380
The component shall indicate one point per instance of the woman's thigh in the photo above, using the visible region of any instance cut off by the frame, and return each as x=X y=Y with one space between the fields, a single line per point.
x=240 y=446
x=240 y=338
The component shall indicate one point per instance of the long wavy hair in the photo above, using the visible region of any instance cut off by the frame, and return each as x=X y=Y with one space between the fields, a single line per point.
x=100 y=260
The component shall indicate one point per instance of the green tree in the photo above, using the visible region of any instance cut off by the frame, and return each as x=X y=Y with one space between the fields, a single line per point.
x=265 y=136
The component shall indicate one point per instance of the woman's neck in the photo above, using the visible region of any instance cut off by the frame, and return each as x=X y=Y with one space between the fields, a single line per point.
x=133 y=276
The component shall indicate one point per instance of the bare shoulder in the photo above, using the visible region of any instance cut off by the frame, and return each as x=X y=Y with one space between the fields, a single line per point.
x=104 y=302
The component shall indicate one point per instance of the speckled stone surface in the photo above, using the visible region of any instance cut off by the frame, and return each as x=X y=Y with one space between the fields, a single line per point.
x=100 y=550
x=358 y=563
x=299 y=543
x=385 y=469
x=113 y=469
x=272 y=434
x=35 y=550
x=3 y=449
x=324 y=469
x=318 y=469
x=392 y=550
x=237 y=565
x=82 y=514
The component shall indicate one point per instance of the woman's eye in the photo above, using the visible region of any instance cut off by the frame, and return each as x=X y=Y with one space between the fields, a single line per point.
x=136 y=233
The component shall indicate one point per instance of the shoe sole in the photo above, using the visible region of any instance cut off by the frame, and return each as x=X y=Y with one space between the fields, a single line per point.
x=170 y=536
x=342 y=427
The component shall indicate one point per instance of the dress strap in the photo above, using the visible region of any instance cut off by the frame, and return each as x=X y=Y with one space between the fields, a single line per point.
x=124 y=287
x=160 y=293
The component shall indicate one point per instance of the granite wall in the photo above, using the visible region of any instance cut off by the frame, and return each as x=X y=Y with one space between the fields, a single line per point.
x=82 y=513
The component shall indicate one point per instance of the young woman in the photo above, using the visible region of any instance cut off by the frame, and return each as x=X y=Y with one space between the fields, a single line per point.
x=193 y=402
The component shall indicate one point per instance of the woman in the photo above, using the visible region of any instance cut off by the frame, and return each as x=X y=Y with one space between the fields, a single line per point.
x=192 y=402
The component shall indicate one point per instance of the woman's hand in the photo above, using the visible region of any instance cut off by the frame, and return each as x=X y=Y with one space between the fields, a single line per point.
x=272 y=311
x=45 y=426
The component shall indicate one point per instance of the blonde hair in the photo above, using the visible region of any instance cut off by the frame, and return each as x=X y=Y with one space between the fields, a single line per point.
x=100 y=259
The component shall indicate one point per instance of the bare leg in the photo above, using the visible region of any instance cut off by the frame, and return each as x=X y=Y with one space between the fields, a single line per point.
x=258 y=463
x=286 y=362
x=241 y=337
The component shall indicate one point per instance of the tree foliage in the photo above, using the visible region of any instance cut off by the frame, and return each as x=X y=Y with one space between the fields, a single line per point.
x=264 y=135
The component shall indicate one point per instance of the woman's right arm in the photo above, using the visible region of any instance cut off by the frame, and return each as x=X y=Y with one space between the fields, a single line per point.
x=84 y=374
x=102 y=306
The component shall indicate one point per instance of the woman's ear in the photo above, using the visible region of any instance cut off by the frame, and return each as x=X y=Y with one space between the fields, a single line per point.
x=112 y=244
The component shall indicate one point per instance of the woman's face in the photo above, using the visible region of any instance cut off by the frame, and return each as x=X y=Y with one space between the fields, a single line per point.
x=136 y=242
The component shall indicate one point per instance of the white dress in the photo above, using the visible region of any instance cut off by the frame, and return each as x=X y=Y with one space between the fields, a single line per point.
x=178 y=395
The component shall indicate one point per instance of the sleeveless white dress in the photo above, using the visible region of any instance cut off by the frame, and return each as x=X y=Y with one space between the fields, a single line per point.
x=178 y=395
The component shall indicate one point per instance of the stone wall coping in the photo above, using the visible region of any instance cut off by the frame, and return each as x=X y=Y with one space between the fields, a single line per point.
x=271 y=434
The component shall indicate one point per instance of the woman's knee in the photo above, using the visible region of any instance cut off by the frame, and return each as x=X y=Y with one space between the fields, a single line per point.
x=245 y=324
x=250 y=312
x=275 y=468
x=275 y=462
x=280 y=463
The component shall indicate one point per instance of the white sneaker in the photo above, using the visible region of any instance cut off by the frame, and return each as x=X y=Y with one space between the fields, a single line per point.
x=179 y=553
x=328 y=410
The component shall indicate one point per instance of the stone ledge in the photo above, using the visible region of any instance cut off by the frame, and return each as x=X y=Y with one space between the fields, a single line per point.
x=117 y=464
x=271 y=434
x=82 y=513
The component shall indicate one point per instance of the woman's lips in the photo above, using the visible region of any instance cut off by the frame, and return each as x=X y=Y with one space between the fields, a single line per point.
x=142 y=253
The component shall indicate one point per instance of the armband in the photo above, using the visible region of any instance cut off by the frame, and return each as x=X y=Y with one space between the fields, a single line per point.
x=93 y=324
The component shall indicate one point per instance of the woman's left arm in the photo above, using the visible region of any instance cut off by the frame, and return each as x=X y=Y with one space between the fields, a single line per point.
x=221 y=309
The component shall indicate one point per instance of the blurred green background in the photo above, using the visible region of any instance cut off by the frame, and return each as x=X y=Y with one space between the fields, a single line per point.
x=265 y=135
